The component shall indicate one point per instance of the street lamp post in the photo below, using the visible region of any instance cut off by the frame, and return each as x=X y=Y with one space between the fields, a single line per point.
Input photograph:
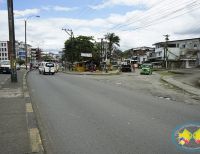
x=26 y=52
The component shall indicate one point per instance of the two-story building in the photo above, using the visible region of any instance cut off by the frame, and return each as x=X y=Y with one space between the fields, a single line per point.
x=179 y=53
x=140 y=54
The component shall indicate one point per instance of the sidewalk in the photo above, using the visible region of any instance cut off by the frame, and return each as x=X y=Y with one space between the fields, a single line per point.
x=15 y=121
x=13 y=124
x=180 y=84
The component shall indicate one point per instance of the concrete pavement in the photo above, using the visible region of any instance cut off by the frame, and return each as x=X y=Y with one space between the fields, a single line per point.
x=185 y=79
x=17 y=121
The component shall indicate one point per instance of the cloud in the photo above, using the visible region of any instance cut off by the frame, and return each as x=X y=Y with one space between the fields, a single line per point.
x=45 y=30
x=58 y=8
x=112 y=3
x=27 y=12
x=61 y=8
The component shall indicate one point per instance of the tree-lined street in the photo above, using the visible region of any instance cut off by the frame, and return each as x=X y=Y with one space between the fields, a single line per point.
x=82 y=114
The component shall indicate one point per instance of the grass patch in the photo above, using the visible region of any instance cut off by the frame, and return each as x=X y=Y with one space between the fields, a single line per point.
x=165 y=73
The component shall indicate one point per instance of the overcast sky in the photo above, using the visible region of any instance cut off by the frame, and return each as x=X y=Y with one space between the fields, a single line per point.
x=136 y=22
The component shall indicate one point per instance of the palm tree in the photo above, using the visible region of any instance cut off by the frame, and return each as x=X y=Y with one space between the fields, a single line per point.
x=112 y=40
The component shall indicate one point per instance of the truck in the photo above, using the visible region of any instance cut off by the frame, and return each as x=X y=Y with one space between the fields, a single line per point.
x=5 y=66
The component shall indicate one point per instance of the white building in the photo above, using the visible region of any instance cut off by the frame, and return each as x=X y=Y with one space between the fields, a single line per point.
x=140 y=54
x=4 y=50
x=20 y=50
x=180 y=53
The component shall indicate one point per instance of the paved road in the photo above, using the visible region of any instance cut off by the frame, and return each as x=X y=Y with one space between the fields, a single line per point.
x=80 y=115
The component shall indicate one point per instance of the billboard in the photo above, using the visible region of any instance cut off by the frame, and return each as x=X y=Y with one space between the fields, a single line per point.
x=86 y=54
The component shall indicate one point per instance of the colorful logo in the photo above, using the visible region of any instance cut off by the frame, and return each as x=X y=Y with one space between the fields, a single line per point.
x=187 y=137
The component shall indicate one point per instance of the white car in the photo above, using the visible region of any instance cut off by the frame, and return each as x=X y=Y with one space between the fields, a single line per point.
x=5 y=66
x=47 y=68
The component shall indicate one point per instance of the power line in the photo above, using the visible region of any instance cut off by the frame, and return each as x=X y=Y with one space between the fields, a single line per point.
x=135 y=17
x=160 y=20
x=165 y=13
x=163 y=18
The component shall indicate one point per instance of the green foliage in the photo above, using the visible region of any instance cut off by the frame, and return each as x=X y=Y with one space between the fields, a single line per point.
x=20 y=62
x=112 y=40
x=46 y=58
x=81 y=44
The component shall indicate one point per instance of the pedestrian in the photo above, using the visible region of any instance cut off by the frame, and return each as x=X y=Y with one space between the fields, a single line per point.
x=31 y=65
x=133 y=67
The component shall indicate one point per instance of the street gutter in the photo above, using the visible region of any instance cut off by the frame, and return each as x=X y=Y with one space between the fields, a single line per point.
x=36 y=143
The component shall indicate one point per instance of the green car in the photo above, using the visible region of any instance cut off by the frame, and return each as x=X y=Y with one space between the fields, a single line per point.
x=146 y=69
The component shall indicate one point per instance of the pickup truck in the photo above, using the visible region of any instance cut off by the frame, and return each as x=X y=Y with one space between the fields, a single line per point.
x=5 y=66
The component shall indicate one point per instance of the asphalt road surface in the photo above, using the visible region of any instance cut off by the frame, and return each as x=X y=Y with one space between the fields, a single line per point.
x=84 y=116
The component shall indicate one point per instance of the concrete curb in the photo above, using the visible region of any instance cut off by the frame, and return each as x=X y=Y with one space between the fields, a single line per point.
x=178 y=72
x=180 y=85
x=88 y=73
x=36 y=144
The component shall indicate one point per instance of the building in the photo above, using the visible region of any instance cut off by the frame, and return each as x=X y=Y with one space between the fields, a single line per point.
x=140 y=54
x=180 y=53
x=20 y=50
x=4 y=50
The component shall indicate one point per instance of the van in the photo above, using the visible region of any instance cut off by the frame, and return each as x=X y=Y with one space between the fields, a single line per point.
x=5 y=66
x=47 y=68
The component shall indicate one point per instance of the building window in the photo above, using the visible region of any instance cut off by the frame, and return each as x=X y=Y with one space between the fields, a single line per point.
x=172 y=45
x=6 y=54
x=2 y=54
x=177 y=45
x=183 y=46
x=6 y=59
x=5 y=49
x=195 y=45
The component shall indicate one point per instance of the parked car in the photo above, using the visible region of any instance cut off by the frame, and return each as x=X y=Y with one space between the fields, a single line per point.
x=126 y=68
x=5 y=66
x=18 y=67
x=146 y=69
x=47 y=68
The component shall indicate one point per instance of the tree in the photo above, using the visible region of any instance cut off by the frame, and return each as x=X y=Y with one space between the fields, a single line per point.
x=20 y=61
x=112 y=41
x=75 y=46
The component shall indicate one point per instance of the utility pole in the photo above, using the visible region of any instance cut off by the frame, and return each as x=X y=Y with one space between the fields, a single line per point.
x=102 y=48
x=165 y=50
x=12 y=41
x=26 y=58
x=70 y=33
x=26 y=50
